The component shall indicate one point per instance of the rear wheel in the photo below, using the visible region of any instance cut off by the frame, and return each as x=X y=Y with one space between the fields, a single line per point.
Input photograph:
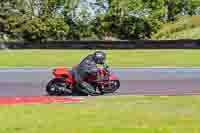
x=57 y=87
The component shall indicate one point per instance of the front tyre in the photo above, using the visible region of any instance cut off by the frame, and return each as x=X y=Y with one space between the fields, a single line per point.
x=113 y=86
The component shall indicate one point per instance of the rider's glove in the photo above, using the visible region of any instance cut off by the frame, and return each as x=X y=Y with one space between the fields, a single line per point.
x=105 y=66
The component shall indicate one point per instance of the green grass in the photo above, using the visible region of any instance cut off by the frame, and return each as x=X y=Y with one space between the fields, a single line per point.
x=111 y=115
x=117 y=58
x=192 y=33
x=185 y=27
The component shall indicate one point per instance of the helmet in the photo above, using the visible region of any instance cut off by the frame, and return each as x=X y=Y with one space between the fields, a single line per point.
x=99 y=57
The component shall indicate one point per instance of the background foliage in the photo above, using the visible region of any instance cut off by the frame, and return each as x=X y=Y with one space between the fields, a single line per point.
x=43 y=20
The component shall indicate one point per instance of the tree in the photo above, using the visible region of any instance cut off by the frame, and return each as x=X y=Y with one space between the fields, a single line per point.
x=9 y=10
x=192 y=6
x=18 y=22
x=44 y=28
x=180 y=7
x=130 y=19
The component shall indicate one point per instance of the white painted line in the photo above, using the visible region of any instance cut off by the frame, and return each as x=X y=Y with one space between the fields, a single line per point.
x=115 y=67
x=22 y=71
x=154 y=70
x=151 y=95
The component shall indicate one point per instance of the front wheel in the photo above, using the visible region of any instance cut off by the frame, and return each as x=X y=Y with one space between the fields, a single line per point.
x=57 y=87
x=113 y=86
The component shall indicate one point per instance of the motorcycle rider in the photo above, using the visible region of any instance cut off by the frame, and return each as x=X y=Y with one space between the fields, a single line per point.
x=86 y=67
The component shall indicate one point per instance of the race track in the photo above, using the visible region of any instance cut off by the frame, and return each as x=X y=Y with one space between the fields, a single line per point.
x=138 y=81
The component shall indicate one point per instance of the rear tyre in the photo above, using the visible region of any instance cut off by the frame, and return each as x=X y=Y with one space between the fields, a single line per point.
x=57 y=87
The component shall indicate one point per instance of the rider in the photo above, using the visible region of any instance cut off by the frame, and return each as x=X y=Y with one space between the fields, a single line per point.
x=88 y=66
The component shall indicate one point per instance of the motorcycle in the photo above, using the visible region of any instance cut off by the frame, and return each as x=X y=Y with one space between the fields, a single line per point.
x=63 y=82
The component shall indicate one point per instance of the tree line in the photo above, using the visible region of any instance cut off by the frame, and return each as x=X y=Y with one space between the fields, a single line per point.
x=43 y=20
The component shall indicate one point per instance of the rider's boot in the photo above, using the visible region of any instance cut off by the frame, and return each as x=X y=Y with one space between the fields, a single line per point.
x=86 y=88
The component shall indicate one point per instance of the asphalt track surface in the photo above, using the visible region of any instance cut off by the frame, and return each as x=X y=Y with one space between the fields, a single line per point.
x=138 y=81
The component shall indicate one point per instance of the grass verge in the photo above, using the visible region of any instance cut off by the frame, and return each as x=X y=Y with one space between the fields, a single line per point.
x=117 y=58
x=111 y=115
x=185 y=27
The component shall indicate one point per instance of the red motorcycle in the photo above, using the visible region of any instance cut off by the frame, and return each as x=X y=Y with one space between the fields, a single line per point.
x=63 y=83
